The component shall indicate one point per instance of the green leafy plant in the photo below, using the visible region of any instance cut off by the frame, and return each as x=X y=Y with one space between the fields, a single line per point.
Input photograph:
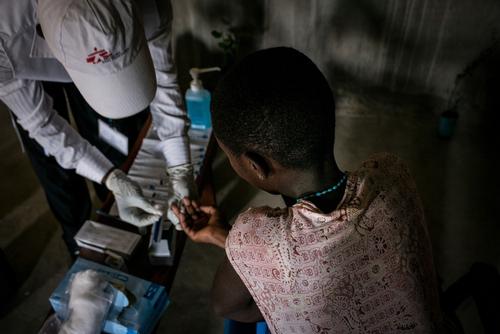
x=228 y=43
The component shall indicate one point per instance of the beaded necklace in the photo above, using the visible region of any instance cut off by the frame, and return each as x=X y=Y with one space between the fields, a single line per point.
x=326 y=191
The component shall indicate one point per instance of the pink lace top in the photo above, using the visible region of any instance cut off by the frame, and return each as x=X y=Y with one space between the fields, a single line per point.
x=365 y=267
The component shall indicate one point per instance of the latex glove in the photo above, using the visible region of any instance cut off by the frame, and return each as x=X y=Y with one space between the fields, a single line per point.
x=182 y=182
x=88 y=304
x=132 y=206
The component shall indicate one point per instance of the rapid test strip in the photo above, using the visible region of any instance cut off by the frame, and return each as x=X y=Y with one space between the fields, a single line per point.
x=156 y=231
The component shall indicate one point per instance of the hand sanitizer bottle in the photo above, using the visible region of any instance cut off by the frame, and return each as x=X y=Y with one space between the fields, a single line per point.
x=198 y=100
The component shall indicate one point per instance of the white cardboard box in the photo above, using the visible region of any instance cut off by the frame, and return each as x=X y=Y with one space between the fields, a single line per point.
x=102 y=238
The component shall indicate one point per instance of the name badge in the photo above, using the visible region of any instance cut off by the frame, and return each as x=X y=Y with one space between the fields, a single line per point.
x=112 y=137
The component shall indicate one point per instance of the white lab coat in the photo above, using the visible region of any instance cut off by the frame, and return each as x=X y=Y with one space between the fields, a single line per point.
x=25 y=60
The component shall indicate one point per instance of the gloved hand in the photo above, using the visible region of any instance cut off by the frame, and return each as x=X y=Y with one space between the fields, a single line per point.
x=182 y=181
x=132 y=206
x=88 y=304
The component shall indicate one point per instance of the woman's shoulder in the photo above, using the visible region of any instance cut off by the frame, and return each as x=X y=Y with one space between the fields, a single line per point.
x=385 y=170
x=254 y=217
x=384 y=162
x=258 y=221
x=381 y=179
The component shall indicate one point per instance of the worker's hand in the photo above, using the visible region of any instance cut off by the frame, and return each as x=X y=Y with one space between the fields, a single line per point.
x=182 y=181
x=133 y=208
x=88 y=304
x=201 y=223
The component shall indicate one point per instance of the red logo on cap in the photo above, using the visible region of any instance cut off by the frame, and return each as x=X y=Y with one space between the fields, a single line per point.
x=98 y=56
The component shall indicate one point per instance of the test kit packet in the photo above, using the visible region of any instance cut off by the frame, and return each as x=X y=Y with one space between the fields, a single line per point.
x=147 y=300
x=102 y=238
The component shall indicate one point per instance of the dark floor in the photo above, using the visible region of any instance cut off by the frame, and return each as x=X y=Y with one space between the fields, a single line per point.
x=456 y=179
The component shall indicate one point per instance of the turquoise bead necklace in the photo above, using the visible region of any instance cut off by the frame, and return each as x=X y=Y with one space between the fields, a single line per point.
x=326 y=191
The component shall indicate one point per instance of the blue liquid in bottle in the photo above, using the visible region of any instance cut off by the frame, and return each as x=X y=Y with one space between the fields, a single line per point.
x=198 y=100
x=198 y=108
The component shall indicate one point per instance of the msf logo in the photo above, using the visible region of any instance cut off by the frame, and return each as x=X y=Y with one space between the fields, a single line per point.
x=98 y=56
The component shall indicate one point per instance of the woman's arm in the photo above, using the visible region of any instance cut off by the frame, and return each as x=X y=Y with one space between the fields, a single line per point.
x=231 y=298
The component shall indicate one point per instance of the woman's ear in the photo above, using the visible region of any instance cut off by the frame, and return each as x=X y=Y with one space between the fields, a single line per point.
x=258 y=164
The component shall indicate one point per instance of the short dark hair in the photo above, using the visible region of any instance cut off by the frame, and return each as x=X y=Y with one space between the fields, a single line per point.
x=277 y=103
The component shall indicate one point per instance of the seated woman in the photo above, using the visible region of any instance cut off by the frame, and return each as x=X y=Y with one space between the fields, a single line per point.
x=351 y=253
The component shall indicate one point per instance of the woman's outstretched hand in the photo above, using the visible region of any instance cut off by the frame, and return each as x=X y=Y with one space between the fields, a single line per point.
x=201 y=223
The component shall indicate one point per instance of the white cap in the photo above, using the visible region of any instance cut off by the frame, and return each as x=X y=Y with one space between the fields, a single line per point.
x=102 y=45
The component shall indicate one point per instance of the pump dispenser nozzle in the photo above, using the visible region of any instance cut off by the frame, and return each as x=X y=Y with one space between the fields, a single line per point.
x=196 y=83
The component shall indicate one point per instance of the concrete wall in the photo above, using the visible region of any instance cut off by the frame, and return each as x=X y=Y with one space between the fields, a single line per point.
x=407 y=46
